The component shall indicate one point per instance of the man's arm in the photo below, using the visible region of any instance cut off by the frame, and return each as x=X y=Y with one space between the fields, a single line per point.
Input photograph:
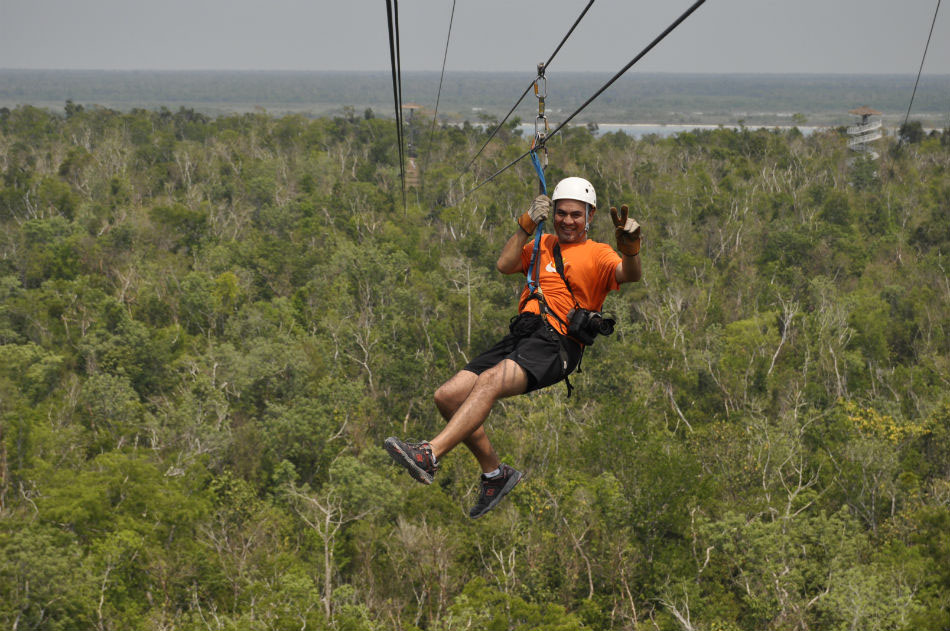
x=628 y=269
x=509 y=261
x=628 y=242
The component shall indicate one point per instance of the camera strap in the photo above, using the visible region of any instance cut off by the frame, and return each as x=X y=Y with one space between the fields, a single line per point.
x=559 y=266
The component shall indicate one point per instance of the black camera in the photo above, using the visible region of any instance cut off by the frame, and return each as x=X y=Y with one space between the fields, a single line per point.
x=584 y=325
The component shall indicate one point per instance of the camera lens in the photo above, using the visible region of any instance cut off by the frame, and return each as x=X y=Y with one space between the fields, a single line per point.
x=605 y=326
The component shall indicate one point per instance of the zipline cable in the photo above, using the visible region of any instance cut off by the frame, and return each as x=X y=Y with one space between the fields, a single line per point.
x=438 y=96
x=530 y=85
x=564 y=39
x=402 y=125
x=500 y=125
x=919 y=70
x=633 y=61
x=393 y=22
x=643 y=52
x=402 y=129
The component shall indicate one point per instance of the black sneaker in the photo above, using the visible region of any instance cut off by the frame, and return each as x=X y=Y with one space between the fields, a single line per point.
x=417 y=458
x=493 y=489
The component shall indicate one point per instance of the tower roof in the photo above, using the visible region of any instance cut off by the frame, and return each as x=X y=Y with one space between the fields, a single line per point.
x=864 y=110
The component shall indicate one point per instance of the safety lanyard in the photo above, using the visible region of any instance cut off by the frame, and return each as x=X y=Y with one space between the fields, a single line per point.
x=538 y=232
x=540 y=130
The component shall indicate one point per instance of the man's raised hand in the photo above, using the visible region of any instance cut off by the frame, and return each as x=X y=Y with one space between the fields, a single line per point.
x=540 y=208
x=627 y=230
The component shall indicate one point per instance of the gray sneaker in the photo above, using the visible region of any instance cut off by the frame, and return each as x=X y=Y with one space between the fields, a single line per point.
x=417 y=458
x=493 y=489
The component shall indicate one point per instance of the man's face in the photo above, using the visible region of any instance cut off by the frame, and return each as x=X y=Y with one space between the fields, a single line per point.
x=569 y=220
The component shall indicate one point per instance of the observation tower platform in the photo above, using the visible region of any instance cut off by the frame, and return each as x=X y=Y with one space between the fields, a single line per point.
x=865 y=132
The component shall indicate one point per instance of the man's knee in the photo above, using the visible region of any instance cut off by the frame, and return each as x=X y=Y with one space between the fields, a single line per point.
x=451 y=394
x=444 y=397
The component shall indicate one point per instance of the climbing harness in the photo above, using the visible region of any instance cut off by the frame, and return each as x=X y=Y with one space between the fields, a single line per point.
x=533 y=275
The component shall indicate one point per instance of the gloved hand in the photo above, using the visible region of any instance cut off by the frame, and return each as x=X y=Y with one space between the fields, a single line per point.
x=627 y=230
x=538 y=212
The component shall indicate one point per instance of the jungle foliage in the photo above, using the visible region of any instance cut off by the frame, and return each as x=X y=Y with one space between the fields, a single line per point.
x=208 y=325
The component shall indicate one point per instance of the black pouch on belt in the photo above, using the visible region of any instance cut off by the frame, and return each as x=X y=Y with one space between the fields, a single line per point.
x=524 y=324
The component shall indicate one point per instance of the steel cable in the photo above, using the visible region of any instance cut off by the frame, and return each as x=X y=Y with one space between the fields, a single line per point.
x=643 y=52
x=919 y=70
x=633 y=61
x=392 y=13
x=445 y=55
x=525 y=93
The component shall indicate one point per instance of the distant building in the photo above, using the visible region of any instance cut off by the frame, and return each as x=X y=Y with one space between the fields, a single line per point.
x=867 y=131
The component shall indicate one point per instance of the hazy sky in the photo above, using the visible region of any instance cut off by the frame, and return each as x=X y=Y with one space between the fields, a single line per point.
x=806 y=36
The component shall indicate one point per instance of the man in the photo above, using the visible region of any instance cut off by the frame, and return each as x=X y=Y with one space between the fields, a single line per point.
x=538 y=351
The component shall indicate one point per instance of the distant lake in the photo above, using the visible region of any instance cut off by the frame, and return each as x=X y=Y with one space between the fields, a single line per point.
x=639 y=130
x=639 y=97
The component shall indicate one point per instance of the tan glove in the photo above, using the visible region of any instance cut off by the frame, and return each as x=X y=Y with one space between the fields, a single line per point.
x=538 y=212
x=627 y=230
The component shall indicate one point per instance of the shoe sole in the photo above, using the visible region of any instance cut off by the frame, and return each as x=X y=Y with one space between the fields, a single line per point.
x=510 y=484
x=402 y=458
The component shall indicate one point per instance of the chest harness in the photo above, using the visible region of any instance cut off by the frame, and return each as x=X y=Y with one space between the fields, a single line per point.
x=534 y=272
x=535 y=293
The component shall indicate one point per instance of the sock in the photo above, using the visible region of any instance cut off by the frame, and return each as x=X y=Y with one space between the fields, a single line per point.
x=493 y=474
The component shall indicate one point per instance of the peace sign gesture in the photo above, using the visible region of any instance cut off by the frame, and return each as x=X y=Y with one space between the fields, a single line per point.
x=627 y=230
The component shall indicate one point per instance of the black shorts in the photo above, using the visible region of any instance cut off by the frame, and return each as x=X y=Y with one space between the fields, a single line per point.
x=545 y=355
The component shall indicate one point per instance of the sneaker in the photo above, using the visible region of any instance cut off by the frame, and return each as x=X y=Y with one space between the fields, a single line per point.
x=493 y=489
x=417 y=458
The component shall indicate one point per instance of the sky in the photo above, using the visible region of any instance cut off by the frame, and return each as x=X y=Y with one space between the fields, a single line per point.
x=723 y=36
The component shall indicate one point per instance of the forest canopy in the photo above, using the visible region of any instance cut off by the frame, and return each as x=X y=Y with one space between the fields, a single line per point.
x=208 y=325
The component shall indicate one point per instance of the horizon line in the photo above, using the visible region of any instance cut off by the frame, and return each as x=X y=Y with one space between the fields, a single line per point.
x=469 y=72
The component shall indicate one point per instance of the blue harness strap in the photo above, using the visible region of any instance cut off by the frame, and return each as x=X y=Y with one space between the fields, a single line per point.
x=533 y=289
x=532 y=285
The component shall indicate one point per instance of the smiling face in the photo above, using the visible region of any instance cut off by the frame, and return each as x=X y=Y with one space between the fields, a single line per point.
x=570 y=224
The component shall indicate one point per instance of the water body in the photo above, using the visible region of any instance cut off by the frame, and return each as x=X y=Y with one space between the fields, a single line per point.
x=639 y=130
x=771 y=99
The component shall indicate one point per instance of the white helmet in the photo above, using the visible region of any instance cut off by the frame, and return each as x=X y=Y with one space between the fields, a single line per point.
x=575 y=188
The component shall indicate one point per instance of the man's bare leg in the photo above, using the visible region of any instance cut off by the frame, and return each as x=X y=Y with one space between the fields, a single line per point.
x=502 y=380
x=448 y=398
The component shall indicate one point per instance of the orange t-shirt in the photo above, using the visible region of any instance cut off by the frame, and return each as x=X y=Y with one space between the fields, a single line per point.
x=589 y=266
